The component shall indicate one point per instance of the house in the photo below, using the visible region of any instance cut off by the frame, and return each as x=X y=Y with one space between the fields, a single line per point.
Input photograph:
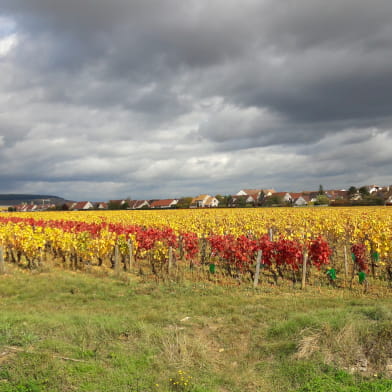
x=356 y=196
x=252 y=195
x=285 y=196
x=373 y=188
x=165 y=203
x=243 y=199
x=255 y=193
x=26 y=207
x=82 y=205
x=247 y=192
x=336 y=194
x=312 y=195
x=268 y=192
x=212 y=201
x=137 y=204
x=295 y=195
x=388 y=197
x=117 y=204
x=46 y=207
x=102 y=206
x=301 y=200
x=204 y=201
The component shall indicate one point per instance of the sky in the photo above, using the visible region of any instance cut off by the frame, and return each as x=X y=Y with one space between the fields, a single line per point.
x=153 y=99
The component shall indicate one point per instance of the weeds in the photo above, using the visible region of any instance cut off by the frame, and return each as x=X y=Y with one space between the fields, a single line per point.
x=181 y=382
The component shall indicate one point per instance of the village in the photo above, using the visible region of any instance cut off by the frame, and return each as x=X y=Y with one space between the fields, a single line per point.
x=365 y=195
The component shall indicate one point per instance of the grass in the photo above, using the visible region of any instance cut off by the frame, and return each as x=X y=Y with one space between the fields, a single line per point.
x=66 y=331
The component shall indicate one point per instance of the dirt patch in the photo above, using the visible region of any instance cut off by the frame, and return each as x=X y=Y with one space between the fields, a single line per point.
x=8 y=352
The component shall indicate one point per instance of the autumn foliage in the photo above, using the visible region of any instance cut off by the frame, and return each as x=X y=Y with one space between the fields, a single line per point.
x=228 y=239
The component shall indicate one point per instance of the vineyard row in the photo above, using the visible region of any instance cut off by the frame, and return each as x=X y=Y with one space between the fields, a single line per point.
x=76 y=244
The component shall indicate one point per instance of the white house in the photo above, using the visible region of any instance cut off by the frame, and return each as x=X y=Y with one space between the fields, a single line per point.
x=165 y=203
x=202 y=201
x=248 y=192
x=255 y=192
x=82 y=205
x=374 y=188
x=286 y=197
x=137 y=204
x=302 y=200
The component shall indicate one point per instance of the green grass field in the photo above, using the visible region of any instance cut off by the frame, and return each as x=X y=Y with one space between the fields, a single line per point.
x=65 y=331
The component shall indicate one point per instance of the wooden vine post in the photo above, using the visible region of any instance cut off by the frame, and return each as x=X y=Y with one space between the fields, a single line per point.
x=131 y=261
x=42 y=257
x=203 y=250
x=73 y=258
x=116 y=259
x=353 y=271
x=2 y=265
x=345 y=266
x=257 y=274
x=305 y=260
x=181 y=247
x=170 y=260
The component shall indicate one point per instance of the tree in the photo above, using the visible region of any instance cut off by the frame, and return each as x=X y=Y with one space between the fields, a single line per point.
x=375 y=200
x=222 y=200
x=321 y=190
x=229 y=201
x=127 y=203
x=274 y=200
x=241 y=201
x=321 y=200
x=364 y=191
x=352 y=190
x=184 y=202
x=261 y=198
x=113 y=205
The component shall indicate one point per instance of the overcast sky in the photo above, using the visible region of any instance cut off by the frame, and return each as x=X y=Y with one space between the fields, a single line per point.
x=150 y=99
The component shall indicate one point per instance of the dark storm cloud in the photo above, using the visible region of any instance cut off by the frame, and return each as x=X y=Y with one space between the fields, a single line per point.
x=150 y=96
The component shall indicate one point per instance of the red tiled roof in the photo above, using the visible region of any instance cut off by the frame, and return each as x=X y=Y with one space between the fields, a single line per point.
x=251 y=192
x=137 y=203
x=236 y=197
x=337 y=193
x=245 y=197
x=79 y=205
x=272 y=191
x=281 y=194
x=161 y=203
x=210 y=200
x=305 y=197
x=118 y=202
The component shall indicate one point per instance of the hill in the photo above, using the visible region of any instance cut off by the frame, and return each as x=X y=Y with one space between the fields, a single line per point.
x=14 y=199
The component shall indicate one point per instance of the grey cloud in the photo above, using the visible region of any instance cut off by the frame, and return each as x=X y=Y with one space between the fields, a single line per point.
x=232 y=122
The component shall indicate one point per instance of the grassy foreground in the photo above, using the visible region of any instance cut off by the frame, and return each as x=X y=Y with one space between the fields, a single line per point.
x=65 y=331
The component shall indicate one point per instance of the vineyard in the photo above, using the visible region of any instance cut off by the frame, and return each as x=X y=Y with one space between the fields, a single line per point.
x=337 y=246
